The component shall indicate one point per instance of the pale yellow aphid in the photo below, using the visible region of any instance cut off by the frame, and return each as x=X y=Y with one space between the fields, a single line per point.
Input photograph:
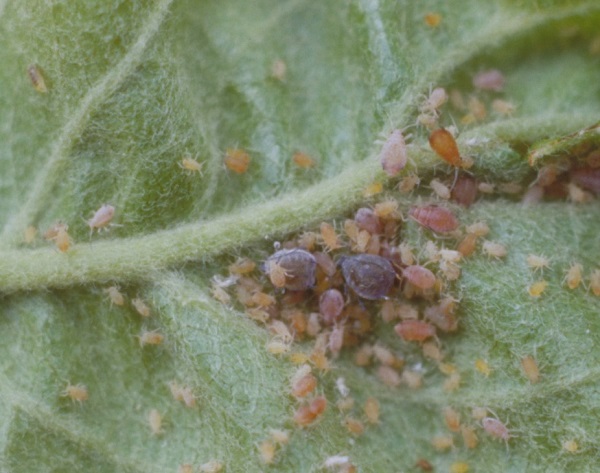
x=141 y=307
x=345 y=404
x=447 y=368
x=29 y=234
x=479 y=229
x=459 y=467
x=436 y=99
x=494 y=250
x=183 y=394
x=452 y=419
x=155 y=422
x=486 y=188
x=373 y=189
x=452 y=383
x=408 y=183
x=469 y=436
x=151 y=338
x=441 y=189
x=432 y=351
x=372 y=409
x=388 y=376
x=77 y=392
x=432 y=252
x=387 y=210
x=262 y=299
x=115 y=296
x=595 y=282
x=278 y=70
x=329 y=237
x=574 y=276
x=450 y=256
x=442 y=442
x=478 y=413
x=298 y=358
x=503 y=107
x=212 y=466
x=483 y=367
x=281 y=437
x=538 y=262
x=267 y=451
x=185 y=468
x=242 y=266
x=220 y=294
x=530 y=368
x=37 y=78
x=102 y=218
x=406 y=254
x=277 y=347
x=537 y=288
x=413 y=379
x=354 y=426
x=62 y=239
x=191 y=165
x=570 y=446
x=577 y=195
x=277 y=273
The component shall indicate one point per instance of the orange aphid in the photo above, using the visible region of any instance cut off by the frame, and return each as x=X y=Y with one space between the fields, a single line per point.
x=469 y=436
x=530 y=368
x=468 y=245
x=262 y=299
x=373 y=189
x=329 y=236
x=306 y=415
x=354 y=426
x=304 y=385
x=372 y=410
x=444 y=144
x=414 y=330
x=452 y=419
x=62 y=239
x=303 y=160
x=433 y=19
x=77 y=392
x=595 y=282
x=237 y=160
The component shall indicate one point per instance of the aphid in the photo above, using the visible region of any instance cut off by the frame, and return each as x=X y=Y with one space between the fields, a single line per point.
x=388 y=376
x=329 y=237
x=464 y=191
x=577 y=195
x=306 y=415
x=538 y=262
x=478 y=229
x=298 y=268
x=436 y=99
x=491 y=79
x=442 y=442
x=431 y=251
x=303 y=160
x=354 y=426
x=432 y=351
x=155 y=422
x=478 y=413
x=336 y=339
x=408 y=183
x=486 y=188
x=212 y=466
x=530 y=368
x=369 y=276
x=437 y=219
x=574 y=276
x=384 y=355
x=151 y=338
x=303 y=385
x=483 y=367
x=387 y=210
x=469 y=436
x=477 y=108
x=77 y=392
x=220 y=294
x=595 y=282
x=502 y=107
x=37 y=78
x=115 y=295
x=459 y=467
x=452 y=419
x=191 y=165
x=279 y=70
x=419 y=276
x=185 y=468
x=414 y=330
x=587 y=177
x=537 y=288
x=331 y=305
x=570 y=446
x=450 y=270
x=441 y=189
x=393 y=156
x=373 y=189
x=62 y=239
x=183 y=394
x=281 y=331
x=495 y=428
x=447 y=368
x=281 y=437
x=444 y=144
x=242 y=266
x=101 y=218
x=424 y=465
x=433 y=19
x=533 y=196
x=267 y=451
x=442 y=315
x=277 y=347
x=452 y=383
x=336 y=461
x=362 y=356
x=494 y=250
x=237 y=160
x=406 y=255
x=29 y=234
x=367 y=220
x=141 y=307
x=413 y=379
x=262 y=299
x=372 y=409
x=510 y=188
x=319 y=359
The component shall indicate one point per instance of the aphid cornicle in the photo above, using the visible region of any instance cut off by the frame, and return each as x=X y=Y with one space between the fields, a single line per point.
x=298 y=267
x=437 y=219
x=369 y=276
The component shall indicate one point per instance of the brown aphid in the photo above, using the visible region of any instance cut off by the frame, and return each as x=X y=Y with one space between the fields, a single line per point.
x=538 y=262
x=495 y=428
x=595 y=282
x=329 y=237
x=424 y=465
x=373 y=189
x=267 y=451
x=464 y=191
x=419 y=276
x=442 y=442
x=303 y=160
x=452 y=383
x=367 y=220
x=297 y=266
x=141 y=307
x=433 y=19
x=36 y=76
x=331 y=305
x=115 y=296
x=388 y=376
x=414 y=330
x=242 y=266
x=393 y=156
x=371 y=409
x=369 y=276
x=150 y=338
x=304 y=386
x=491 y=79
x=494 y=250
x=483 y=367
x=444 y=144
x=459 y=467
x=530 y=369
x=306 y=415
x=155 y=422
x=503 y=107
x=29 y=234
x=191 y=165
x=77 y=392
x=62 y=239
x=537 y=288
x=102 y=218
x=467 y=245
x=237 y=160
x=408 y=183
x=574 y=276
x=452 y=419
x=469 y=436
x=437 y=219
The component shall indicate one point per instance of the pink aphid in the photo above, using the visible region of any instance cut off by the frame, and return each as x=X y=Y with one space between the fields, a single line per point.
x=438 y=219
x=393 y=155
x=489 y=80
x=101 y=218
x=495 y=428
x=419 y=276
x=414 y=330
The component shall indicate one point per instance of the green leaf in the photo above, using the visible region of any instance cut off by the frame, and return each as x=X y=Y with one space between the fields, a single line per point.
x=133 y=87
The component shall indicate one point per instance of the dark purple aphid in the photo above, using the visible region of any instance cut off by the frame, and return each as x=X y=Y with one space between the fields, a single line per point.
x=298 y=265
x=331 y=304
x=370 y=276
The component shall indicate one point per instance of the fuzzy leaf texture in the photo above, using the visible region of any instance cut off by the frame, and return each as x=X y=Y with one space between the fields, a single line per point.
x=134 y=86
